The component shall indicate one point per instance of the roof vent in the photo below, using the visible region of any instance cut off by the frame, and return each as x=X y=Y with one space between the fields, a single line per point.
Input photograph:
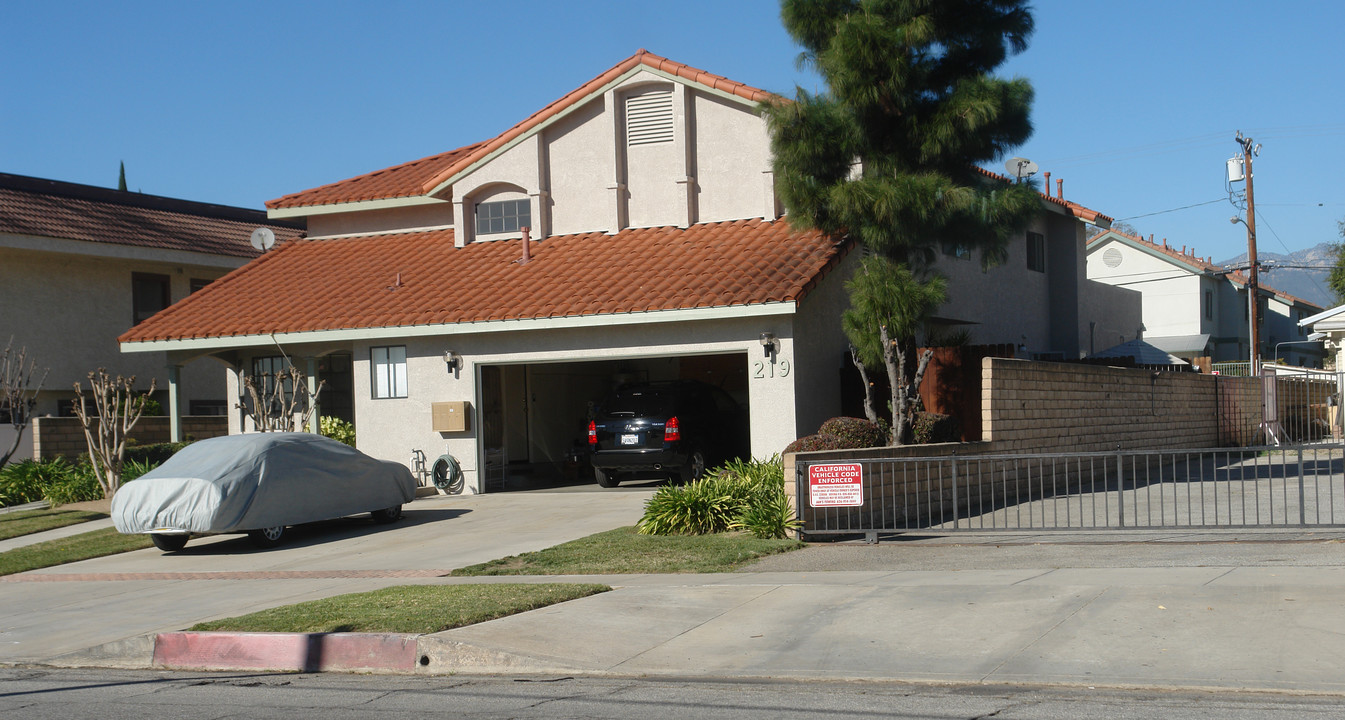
x=1112 y=257
x=649 y=118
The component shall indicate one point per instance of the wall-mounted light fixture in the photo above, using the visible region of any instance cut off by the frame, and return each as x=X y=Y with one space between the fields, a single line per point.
x=769 y=343
x=453 y=360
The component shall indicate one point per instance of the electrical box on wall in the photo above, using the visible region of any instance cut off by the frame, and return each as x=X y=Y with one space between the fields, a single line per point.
x=450 y=416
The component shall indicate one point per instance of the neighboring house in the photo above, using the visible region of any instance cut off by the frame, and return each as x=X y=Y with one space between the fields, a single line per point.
x=1193 y=308
x=627 y=231
x=79 y=265
x=1329 y=327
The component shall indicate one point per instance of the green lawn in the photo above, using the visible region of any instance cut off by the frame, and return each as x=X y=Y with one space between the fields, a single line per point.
x=623 y=552
x=27 y=522
x=406 y=608
x=71 y=549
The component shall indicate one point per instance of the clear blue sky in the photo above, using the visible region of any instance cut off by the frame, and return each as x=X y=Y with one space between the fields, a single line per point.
x=237 y=103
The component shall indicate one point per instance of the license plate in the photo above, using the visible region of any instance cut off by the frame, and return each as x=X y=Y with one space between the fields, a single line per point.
x=630 y=439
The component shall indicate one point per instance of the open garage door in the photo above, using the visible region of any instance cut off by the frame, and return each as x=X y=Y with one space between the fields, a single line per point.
x=534 y=417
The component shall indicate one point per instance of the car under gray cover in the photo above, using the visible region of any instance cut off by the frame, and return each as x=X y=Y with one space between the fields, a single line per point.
x=241 y=483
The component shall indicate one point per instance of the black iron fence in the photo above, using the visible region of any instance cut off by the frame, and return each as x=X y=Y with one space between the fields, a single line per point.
x=1271 y=486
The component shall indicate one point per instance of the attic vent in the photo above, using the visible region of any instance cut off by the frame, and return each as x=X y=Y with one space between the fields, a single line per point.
x=649 y=118
x=1111 y=258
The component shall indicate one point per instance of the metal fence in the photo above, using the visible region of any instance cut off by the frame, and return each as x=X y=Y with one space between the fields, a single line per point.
x=1284 y=486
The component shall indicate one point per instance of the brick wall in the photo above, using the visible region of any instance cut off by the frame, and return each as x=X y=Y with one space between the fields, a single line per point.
x=1058 y=407
x=63 y=436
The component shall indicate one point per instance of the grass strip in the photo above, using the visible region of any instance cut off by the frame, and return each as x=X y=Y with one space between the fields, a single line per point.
x=623 y=552
x=71 y=549
x=406 y=608
x=27 y=522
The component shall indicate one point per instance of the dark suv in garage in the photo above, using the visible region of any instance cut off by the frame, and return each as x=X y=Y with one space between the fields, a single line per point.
x=676 y=428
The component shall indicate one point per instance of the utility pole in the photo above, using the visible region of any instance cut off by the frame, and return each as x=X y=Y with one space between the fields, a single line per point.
x=1253 y=306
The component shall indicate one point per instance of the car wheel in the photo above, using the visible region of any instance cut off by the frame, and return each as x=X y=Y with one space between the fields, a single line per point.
x=387 y=515
x=605 y=479
x=694 y=467
x=169 y=543
x=267 y=537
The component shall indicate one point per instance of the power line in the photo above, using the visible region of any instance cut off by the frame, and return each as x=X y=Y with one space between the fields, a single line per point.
x=1164 y=212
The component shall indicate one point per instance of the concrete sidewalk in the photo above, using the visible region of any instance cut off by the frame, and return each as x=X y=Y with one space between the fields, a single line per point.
x=1254 y=621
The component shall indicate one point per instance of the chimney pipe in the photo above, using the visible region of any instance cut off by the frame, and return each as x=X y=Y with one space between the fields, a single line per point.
x=1060 y=188
x=1047 y=175
x=527 y=246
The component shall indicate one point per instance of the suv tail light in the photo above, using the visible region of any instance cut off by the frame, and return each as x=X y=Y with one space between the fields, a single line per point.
x=671 y=432
x=592 y=433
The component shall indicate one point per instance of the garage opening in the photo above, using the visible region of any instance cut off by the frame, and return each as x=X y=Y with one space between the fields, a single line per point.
x=534 y=417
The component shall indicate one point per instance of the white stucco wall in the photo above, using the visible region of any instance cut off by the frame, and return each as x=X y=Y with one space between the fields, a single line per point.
x=392 y=428
x=1172 y=295
x=581 y=170
x=732 y=155
x=437 y=215
x=68 y=308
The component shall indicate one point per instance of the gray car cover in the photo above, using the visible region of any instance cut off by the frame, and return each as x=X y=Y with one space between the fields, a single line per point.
x=249 y=482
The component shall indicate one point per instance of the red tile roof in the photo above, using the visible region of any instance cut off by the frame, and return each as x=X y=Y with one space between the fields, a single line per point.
x=420 y=177
x=400 y=181
x=54 y=209
x=420 y=278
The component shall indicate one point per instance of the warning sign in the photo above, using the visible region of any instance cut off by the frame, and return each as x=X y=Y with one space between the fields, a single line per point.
x=836 y=485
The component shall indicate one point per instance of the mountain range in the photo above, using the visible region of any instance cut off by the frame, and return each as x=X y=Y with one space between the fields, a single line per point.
x=1292 y=277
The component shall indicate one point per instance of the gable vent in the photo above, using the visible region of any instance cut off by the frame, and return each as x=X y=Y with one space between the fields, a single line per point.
x=649 y=118
x=1111 y=257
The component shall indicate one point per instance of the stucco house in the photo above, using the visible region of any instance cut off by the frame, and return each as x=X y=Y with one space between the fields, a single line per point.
x=629 y=230
x=79 y=265
x=1194 y=308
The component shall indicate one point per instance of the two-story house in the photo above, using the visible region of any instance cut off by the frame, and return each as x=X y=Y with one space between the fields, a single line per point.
x=628 y=231
x=1194 y=308
x=79 y=265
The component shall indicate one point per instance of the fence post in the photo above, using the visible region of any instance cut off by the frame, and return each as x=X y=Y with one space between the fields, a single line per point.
x=955 y=504
x=1302 y=501
x=799 y=473
x=1120 y=490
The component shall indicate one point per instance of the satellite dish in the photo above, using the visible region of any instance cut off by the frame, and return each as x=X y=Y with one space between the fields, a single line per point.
x=263 y=239
x=1021 y=167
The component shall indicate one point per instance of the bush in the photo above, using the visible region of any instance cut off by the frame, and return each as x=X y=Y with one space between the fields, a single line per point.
x=811 y=443
x=935 y=428
x=154 y=453
x=738 y=495
x=337 y=429
x=21 y=482
x=76 y=483
x=856 y=433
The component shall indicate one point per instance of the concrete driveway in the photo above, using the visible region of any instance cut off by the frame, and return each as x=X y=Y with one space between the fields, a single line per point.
x=47 y=613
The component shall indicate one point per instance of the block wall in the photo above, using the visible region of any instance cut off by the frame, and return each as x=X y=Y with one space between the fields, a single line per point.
x=64 y=436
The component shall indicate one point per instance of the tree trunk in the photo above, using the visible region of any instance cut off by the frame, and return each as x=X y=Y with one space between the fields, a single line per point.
x=895 y=359
x=869 y=411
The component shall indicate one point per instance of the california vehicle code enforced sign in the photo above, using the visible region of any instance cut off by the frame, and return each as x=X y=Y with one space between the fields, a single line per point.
x=835 y=485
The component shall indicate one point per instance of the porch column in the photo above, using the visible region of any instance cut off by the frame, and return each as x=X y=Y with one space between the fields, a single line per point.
x=314 y=420
x=175 y=403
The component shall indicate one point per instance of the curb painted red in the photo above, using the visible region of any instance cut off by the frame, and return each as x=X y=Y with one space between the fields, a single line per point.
x=292 y=652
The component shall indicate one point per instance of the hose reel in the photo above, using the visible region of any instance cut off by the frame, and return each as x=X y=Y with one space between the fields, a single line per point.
x=447 y=474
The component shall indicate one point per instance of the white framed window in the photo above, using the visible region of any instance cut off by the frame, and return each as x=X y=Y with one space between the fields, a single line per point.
x=388 y=365
x=503 y=216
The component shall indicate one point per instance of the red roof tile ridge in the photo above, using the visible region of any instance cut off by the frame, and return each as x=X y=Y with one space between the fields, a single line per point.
x=641 y=57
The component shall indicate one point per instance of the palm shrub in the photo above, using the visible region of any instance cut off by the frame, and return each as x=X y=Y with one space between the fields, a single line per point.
x=739 y=495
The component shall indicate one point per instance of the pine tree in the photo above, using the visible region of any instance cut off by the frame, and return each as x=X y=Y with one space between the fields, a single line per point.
x=889 y=153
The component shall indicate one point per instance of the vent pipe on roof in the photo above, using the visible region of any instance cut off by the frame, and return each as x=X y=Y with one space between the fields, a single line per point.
x=1047 y=175
x=527 y=246
x=1060 y=188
